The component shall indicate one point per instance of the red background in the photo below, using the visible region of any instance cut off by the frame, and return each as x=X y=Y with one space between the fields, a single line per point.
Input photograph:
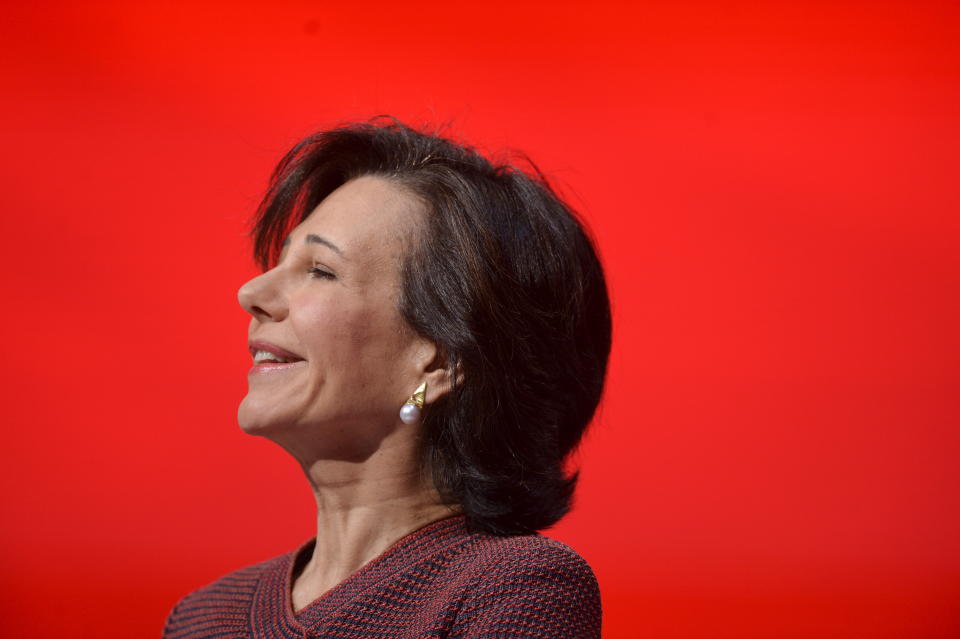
x=773 y=187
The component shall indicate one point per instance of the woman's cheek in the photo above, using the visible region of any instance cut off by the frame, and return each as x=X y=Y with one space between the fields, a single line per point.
x=327 y=332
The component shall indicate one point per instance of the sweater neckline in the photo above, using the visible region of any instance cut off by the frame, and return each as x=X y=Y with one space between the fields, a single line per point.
x=412 y=547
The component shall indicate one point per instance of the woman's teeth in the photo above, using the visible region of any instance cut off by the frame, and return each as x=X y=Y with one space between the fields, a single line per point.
x=261 y=357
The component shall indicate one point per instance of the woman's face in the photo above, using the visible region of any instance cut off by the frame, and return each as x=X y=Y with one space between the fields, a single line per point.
x=331 y=301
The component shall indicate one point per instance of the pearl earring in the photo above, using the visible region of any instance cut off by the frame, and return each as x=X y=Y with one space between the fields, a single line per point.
x=410 y=412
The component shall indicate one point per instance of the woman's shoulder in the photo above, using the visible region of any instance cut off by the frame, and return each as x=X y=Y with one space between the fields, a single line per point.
x=536 y=583
x=534 y=550
x=223 y=602
x=239 y=581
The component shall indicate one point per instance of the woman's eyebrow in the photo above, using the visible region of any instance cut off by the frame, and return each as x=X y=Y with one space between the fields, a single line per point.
x=312 y=238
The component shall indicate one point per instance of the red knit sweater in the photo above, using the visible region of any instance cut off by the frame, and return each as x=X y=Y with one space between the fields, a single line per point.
x=438 y=581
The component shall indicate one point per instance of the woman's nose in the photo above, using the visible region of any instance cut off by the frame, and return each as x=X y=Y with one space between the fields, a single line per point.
x=260 y=298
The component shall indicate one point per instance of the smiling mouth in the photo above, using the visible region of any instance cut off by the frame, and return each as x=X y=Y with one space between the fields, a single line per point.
x=266 y=357
x=274 y=364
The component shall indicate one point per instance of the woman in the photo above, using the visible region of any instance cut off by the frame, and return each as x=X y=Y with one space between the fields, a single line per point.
x=430 y=337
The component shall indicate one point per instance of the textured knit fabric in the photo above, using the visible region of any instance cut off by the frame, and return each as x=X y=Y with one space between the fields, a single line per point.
x=438 y=581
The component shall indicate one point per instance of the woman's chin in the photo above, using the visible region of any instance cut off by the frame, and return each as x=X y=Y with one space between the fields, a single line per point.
x=255 y=420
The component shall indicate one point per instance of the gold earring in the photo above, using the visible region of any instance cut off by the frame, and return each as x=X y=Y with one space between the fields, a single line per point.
x=410 y=412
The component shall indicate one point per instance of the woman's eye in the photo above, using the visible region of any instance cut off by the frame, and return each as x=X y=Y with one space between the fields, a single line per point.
x=319 y=272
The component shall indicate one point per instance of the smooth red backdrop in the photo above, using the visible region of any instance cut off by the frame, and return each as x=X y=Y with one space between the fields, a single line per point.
x=773 y=187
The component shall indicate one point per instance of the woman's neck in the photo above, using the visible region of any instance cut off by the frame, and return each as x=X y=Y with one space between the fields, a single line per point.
x=360 y=514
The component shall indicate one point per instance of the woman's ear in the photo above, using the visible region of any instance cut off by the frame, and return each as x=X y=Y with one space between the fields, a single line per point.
x=438 y=373
x=440 y=381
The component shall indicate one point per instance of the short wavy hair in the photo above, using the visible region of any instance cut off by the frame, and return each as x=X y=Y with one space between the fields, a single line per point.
x=505 y=280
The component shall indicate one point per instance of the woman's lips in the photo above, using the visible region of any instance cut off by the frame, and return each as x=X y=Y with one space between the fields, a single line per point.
x=273 y=367
x=283 y=353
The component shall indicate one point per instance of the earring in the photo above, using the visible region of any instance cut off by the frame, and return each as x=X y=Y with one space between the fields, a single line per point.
x=410 y=412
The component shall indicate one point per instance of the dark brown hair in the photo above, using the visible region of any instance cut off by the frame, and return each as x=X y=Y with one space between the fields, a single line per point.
x=504 y=279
